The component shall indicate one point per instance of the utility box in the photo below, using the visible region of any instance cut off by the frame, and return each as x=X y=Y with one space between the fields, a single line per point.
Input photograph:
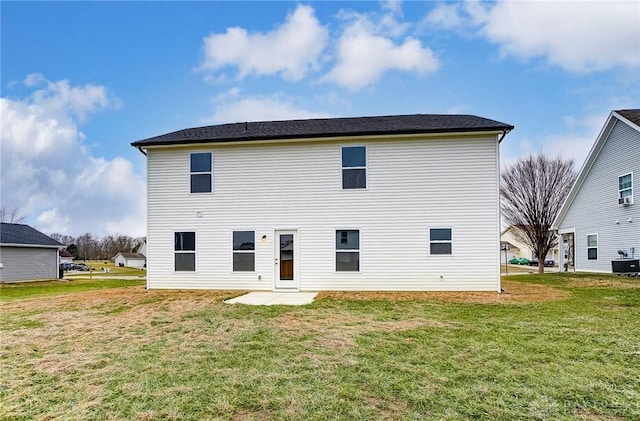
x=629 y=267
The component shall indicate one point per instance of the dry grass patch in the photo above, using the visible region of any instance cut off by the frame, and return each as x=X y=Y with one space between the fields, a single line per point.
x=514 y=292
x=594 y=282
x=122 y=297
x=335 y=330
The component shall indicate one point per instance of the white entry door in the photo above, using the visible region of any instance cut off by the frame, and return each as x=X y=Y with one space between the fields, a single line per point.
x=286 y=260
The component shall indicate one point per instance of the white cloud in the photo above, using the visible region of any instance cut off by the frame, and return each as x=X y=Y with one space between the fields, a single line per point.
x=446 y=16
x=290 y=50
x=231 y=107
x=366 y=50
x=51 y=176
x=578 y=36
x=573 y=141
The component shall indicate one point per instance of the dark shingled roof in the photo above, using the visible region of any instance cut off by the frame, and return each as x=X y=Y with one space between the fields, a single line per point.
x=25 y=235
x=631 y=115
x=328 y=127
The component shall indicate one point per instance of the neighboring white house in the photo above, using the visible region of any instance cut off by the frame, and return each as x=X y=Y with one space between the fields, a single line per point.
x=133 y=260
x=602 y=211
x=27 y=254
x=407 y=202
x=518 y=248
x=65 y=256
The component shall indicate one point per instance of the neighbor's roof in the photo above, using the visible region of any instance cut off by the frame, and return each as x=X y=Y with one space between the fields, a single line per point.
x=631 y=115
x=132 y=256
x=329 y=127
x=64 y=253
x=24 y=235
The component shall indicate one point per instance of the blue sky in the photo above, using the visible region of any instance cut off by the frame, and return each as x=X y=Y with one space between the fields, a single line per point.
x=81 y=80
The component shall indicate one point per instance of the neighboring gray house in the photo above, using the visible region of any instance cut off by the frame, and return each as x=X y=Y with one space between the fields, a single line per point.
x=133 y=260
x=601 y=215
x=142 y=249
x=405 y=202
x=27 y=254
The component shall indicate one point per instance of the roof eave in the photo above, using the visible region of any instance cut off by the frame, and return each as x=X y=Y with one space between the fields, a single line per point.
x=148 y=142
x=48 y=246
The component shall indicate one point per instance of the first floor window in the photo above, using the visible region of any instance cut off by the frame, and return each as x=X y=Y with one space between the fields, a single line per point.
x=184 y=251
x=244 y=255
x=440 y=241
x=201 y=172
x=592 y=247
x=347 y=251
x=625 y=186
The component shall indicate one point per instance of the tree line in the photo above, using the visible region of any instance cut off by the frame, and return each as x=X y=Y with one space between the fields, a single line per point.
x=90 y=247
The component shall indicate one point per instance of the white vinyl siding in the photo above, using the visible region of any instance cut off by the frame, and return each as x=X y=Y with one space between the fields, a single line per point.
x=259 y=186
x=28 y=263
x=595 y=208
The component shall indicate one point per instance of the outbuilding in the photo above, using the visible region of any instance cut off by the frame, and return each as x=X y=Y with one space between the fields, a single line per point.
x=27 y=254
x=133 y=260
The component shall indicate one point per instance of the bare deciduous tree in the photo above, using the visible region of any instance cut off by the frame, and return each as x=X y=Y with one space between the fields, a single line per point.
x=532 y=191
x=62 y=238
x=11 y=216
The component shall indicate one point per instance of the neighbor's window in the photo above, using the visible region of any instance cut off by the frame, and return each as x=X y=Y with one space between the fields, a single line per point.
x=354 y=167
x=592 y=247
x=440 y=241
x=201 y=172
x=625 y=185
x=185 y=251
x=347 y=251
x=244 y=255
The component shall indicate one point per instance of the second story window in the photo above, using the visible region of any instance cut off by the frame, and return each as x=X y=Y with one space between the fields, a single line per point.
x=201 y=172
x=354 y=167
x=625 y=188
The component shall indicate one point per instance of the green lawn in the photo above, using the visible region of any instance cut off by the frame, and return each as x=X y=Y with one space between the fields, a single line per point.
x=554 y=346
x=11 y=292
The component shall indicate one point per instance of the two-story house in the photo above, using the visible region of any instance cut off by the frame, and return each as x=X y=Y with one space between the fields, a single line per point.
x=601 y=215
x=406 y=202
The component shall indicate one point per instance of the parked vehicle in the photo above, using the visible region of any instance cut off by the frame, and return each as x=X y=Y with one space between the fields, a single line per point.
x=81 y=266
x=547 y=262
x=519 y=261
x=66 y=266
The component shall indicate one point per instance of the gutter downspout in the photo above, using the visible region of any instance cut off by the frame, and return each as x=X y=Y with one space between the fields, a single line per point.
x=145 y=154
x=504 y=133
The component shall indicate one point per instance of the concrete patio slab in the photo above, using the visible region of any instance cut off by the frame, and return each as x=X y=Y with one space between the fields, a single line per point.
x=274 y=298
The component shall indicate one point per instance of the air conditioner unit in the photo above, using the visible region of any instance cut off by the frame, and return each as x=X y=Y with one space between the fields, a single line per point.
x=625 y=201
